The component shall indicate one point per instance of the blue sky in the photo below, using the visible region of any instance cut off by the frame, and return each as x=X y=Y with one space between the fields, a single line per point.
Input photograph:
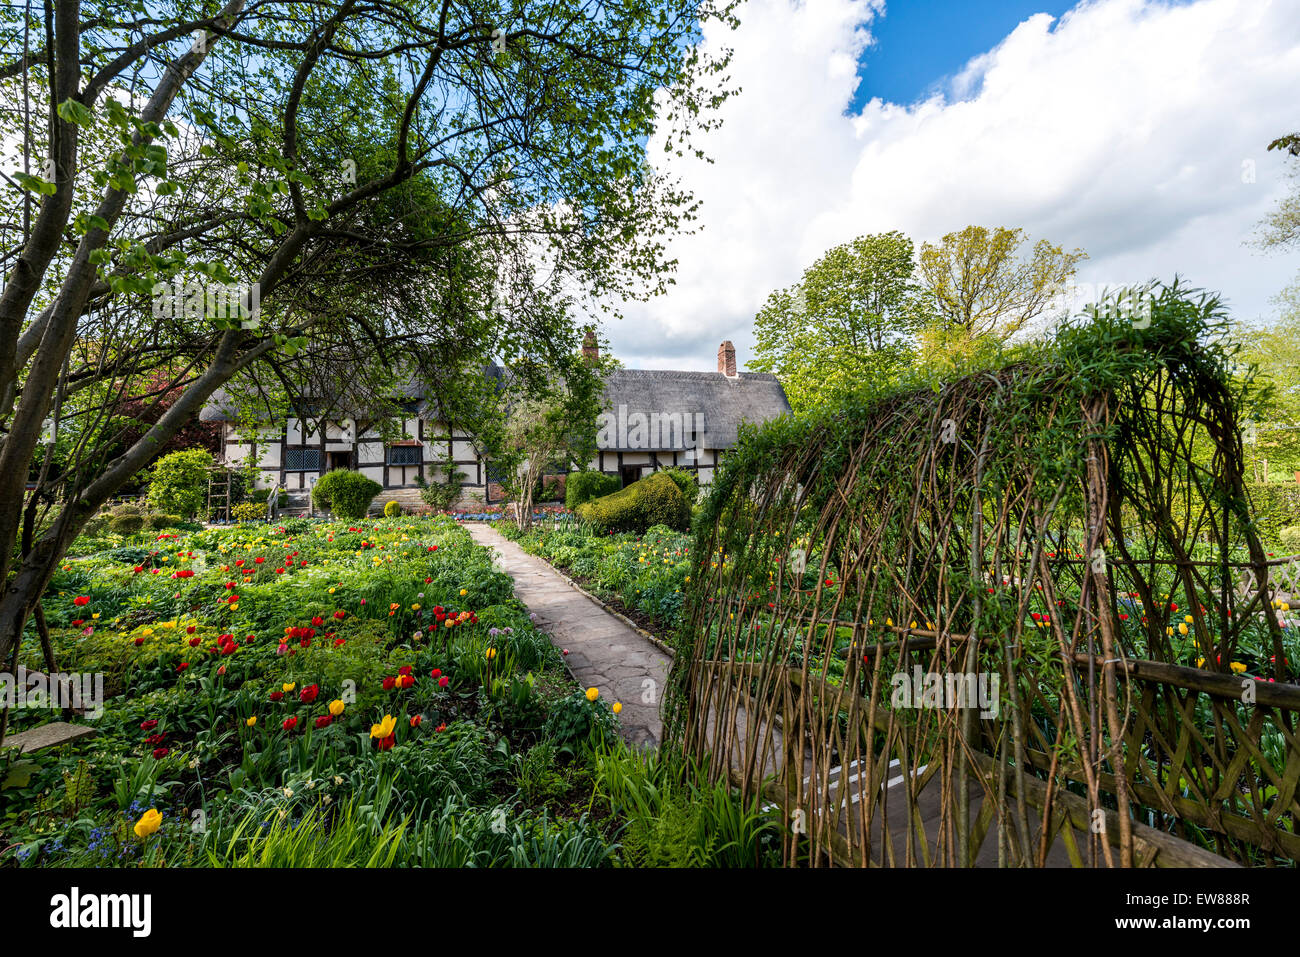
x=919 y=43
x=1132 y=129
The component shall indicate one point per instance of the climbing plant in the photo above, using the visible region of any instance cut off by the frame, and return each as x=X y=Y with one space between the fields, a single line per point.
x=1062 y=541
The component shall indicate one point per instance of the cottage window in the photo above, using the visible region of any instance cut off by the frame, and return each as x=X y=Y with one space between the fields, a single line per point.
x=302 y=459
x=405 y=454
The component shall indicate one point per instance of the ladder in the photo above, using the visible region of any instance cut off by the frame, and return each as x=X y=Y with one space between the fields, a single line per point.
x=219 y=482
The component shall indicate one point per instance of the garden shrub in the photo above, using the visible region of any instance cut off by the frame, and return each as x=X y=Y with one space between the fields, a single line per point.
x=584 y=486
x=179 y=482
x=158 y=521
x=248 y=512
x=392 y=509
x=125 y=524
x=1290 y=537
x=687 y=482
x=654 y=500
x=344 y=493
x=549 y=488
x=1275 y=507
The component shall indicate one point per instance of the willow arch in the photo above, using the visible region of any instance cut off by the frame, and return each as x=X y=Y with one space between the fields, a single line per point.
x=1025 y=586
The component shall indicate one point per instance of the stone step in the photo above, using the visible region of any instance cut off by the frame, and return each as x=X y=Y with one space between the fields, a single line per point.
x=48 y=736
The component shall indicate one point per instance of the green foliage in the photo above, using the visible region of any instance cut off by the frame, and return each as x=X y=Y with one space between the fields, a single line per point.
x=584 y=486
x=1290 y=537
x=1275 y=507
x=392 y=509
x=653 y=500
x=576 y=723
x=125 y=524
x=248 y=512
x=345 y=493
x=158 y=521
x=688 y=482
x=179 y=482
x=673 y=820
x=853 y=317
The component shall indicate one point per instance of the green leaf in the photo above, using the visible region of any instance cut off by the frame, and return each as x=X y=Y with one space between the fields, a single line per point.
x=35 y=184
x=72 y=111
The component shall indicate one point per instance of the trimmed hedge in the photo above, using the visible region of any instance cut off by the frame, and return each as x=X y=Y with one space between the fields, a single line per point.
x=1275 y=507
x=392 y=509
x=688 y=482
x=654 y=500
x=344 y=493
x=584 y=486
x=125 y=524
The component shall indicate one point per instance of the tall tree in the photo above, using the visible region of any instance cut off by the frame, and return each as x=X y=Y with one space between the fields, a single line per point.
x=983 y=291
x=853 y=317
x=225 y=187
x=1281 y=228
x=1272 y=439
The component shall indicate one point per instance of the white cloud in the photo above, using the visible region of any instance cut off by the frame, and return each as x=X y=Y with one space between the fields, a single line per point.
x=1121 y=128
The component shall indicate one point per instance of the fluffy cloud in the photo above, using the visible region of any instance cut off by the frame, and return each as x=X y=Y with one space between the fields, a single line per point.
x=1127 y=127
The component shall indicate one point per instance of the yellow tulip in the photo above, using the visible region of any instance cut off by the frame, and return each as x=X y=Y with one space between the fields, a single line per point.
x=336 y=707
x=618 y=707
x=148 y=823
x=251 y=721
x=384 y=728
x=288 y=686
x=490 y=653
x=1237 y=667
x=1182 y=628
x=592 y=694
x=464 y=592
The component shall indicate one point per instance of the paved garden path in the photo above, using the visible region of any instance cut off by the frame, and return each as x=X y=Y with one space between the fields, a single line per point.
x=603 y=651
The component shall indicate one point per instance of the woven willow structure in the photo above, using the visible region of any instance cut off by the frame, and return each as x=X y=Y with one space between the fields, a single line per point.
x=1024 y=588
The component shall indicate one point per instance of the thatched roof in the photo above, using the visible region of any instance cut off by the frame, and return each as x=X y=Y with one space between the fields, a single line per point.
x=725 y=401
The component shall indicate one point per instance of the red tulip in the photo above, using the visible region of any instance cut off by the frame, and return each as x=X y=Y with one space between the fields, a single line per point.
x=160 y=753
x=81 y=600
x=290 y=724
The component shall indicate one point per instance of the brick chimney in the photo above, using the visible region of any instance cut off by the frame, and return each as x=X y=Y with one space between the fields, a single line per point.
x=590 y=349
x=727 y=358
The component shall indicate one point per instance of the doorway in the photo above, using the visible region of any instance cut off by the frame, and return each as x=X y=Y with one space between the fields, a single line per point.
x=338 y=460
x=629 y=474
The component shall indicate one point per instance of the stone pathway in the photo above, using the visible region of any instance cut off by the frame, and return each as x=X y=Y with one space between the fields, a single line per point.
x=604 y=652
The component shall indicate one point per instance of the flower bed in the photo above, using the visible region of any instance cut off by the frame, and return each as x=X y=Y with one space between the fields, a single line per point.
x=311 y=693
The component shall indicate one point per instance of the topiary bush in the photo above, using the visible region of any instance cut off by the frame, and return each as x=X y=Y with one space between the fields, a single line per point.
x=584 y=486
x=654 y=500
x=392 y=509
x=180 y=482
x=688 y=482
x=1290 y=537
x=158 y=521
x=125 y=524
x=344 y=493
